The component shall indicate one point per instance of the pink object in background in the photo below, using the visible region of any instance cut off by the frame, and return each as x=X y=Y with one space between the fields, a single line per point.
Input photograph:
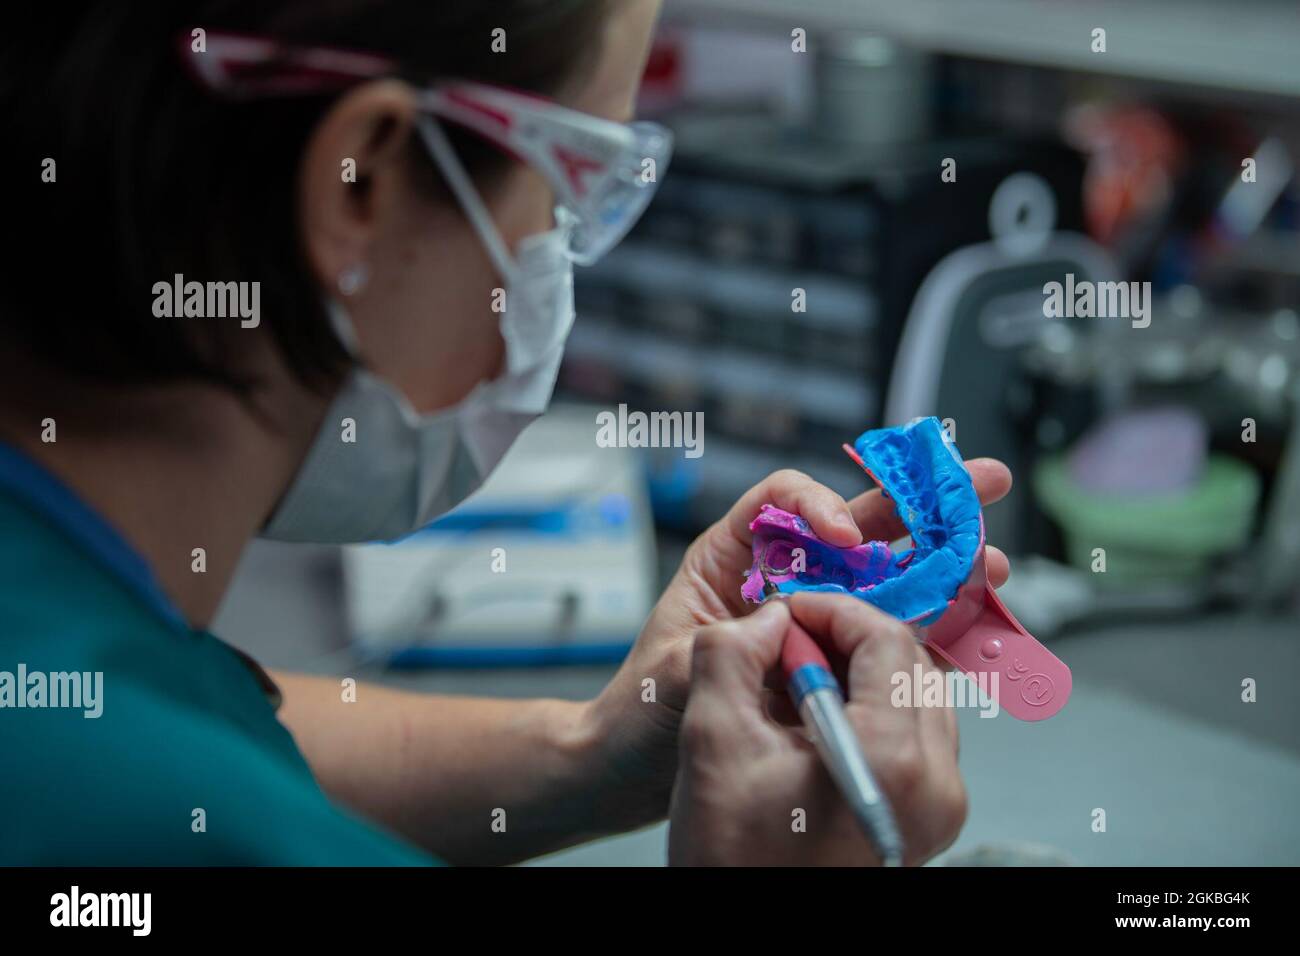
x=1158 y=451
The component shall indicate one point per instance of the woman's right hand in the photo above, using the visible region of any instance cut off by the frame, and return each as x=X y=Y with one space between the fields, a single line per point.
x=752 y=791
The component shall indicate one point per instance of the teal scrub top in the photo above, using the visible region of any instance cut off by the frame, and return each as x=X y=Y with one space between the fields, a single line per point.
x=186 y=763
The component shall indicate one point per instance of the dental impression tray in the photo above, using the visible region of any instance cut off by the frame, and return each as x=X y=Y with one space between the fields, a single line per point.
x=939 y=584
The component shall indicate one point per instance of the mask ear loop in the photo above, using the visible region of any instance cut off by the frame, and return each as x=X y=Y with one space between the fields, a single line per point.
x=463 y=188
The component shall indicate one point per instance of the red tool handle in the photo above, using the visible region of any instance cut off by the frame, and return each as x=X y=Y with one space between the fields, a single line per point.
x=800 y=649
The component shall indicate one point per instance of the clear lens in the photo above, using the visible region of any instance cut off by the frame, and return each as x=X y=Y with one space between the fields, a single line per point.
x=607 y=215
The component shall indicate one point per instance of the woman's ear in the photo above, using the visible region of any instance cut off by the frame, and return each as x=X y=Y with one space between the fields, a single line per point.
x=351 y=165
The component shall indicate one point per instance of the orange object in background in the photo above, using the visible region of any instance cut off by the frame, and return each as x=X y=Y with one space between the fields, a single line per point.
x=1134 y=155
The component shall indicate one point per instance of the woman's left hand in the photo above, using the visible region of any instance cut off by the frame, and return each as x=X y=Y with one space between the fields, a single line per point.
x=635 y=718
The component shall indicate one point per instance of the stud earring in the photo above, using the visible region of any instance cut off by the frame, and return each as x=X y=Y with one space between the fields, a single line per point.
x=353 y=279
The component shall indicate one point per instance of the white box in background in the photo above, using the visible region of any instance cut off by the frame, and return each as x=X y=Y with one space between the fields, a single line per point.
x=551 y=562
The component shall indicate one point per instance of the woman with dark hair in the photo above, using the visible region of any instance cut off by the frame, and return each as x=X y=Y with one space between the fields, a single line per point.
x=248 y=227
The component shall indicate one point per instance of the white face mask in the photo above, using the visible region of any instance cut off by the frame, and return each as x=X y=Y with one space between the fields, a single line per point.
x=404 y=469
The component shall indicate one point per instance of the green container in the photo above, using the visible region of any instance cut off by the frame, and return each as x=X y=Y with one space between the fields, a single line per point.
x=1152 y=538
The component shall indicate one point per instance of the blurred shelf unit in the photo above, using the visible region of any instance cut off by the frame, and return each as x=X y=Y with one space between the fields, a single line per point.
x=1243 y=45
x=698 y=310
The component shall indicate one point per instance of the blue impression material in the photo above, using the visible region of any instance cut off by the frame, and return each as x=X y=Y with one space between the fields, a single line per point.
x=922 y=471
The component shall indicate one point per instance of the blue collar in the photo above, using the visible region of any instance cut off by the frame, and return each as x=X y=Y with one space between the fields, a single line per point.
x=44 y=493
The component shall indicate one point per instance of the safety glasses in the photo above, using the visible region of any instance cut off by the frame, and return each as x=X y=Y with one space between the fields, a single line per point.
x=603 y=173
